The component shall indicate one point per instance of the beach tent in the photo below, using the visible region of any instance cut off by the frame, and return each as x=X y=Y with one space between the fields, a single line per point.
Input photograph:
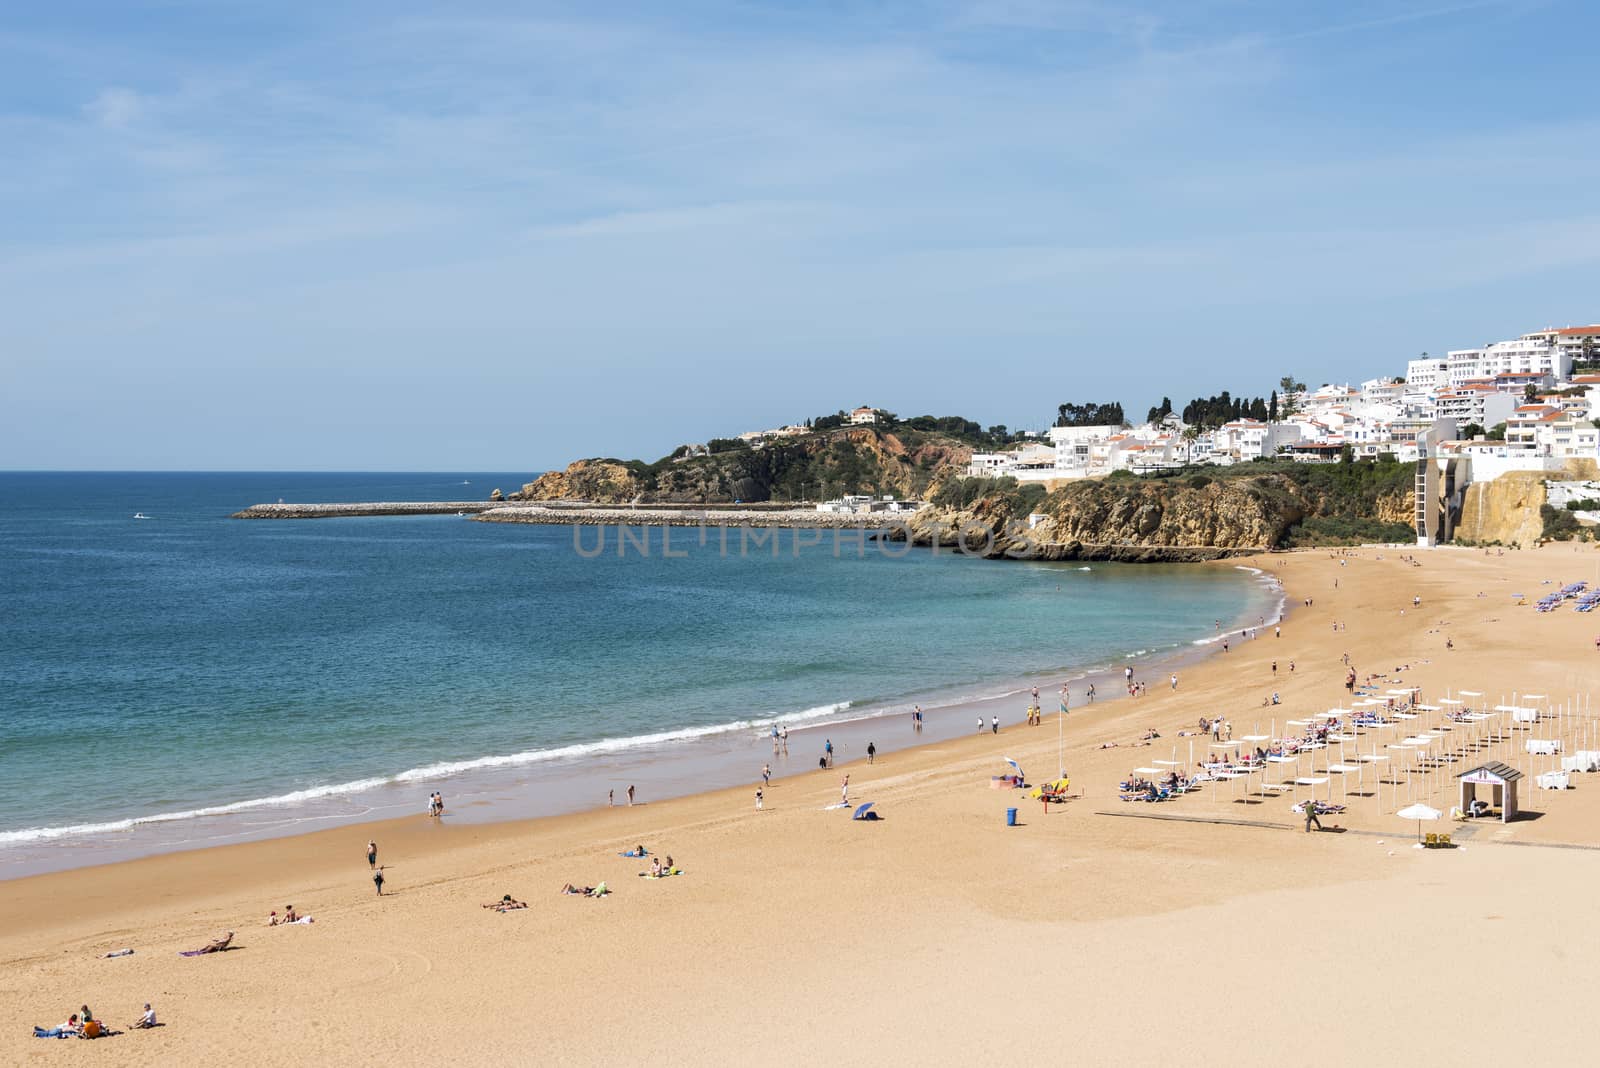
x=1502 y=781
x=1418 y=812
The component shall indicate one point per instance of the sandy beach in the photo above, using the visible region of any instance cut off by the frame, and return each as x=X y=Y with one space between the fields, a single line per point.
x=1220 y=931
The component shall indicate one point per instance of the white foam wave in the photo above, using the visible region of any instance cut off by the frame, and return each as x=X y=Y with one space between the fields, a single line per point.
x=440 y=770
x=37 y=834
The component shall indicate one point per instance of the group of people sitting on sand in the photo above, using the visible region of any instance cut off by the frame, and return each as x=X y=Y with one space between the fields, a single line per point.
x=289 y=916
x=1136 y=788
x=660 y=869
x=82 y=1024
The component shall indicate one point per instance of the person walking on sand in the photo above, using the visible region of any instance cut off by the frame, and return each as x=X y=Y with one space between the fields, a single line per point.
x=758 y=798
x=766 y=775
x=872 y=751
x=1090 y=694
x=844 y=790
x=994 y=724
x=1174 y=680
x=827 y=750
x=377 y=881
x=785 y=737
x=611 y=798
x=372 y=854
x=630 y=795
x=980 y=724
x=1311 y=816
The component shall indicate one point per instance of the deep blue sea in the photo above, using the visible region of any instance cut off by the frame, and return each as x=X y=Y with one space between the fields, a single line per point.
x=190 y=667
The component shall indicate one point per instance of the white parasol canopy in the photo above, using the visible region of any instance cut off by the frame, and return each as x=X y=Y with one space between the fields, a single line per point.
x=1418 y=812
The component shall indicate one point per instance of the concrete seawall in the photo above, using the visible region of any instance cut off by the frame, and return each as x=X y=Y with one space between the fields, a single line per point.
x=360 y=508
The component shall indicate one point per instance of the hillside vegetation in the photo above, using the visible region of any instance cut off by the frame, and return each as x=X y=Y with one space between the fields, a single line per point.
x=905 y=462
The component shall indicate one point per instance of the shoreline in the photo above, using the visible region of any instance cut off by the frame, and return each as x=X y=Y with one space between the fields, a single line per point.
x=672 y=764
x=777 y=904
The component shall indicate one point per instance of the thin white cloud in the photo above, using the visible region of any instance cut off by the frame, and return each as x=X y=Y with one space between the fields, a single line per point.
x=667 y=220
x=115 y=107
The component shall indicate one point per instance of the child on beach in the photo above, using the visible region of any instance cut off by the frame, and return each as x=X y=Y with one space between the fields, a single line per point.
x=377 y=881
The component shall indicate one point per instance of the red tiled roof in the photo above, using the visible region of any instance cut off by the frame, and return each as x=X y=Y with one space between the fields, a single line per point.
x=1575 y=331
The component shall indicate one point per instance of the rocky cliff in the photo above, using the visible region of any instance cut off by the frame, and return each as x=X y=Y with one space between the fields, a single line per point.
x=811 y=466
x=601 y=481
x=1179 y=518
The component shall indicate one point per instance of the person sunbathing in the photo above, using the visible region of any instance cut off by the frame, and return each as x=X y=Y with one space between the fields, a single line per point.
x=216 y=945
x=506 y=904
x=655 y=868
x=583 y=890
x=64 y=1030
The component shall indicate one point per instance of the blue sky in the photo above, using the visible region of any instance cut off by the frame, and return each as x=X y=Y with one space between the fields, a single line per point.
x=502 y=236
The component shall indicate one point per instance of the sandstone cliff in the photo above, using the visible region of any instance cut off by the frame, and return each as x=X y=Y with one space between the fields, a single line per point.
x=812 y=467
x=600 y=481
x=1177 y=518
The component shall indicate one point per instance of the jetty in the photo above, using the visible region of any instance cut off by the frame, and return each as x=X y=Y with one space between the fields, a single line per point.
x=360 y=508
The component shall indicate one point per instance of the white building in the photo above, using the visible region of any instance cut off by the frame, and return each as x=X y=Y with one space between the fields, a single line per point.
x=1476 y=402
x=1531 y=353
x=863 y=417
x=1427 y=375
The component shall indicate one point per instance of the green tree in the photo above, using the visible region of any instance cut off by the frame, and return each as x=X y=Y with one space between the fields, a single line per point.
x=1272 y=407
x=1530 y=392
x=1291 y=388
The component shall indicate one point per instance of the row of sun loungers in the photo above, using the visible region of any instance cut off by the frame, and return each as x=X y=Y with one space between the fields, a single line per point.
x=1586 y=601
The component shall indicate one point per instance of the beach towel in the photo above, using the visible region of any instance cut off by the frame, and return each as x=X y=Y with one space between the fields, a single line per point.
x=663 y=875
x=191 y=952
x=837 y=804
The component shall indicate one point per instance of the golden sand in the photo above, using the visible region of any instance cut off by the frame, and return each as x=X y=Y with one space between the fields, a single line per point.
x=1091 y=934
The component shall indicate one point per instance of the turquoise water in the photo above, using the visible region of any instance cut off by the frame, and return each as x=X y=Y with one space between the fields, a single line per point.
x=190 y=666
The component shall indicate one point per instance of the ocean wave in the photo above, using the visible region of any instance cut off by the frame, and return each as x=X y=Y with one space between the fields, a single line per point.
x=38 y=834
x=441 y=770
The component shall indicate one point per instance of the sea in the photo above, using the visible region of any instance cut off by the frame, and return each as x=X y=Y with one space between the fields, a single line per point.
x=187 y=679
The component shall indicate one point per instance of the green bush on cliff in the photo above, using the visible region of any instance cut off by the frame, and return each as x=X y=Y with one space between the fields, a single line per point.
x=960 y=494
x=1343 y=530
x=1560 y=524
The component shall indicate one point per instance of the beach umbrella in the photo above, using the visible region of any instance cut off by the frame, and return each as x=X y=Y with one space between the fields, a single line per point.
x=1016 y=768
x=1418 y=812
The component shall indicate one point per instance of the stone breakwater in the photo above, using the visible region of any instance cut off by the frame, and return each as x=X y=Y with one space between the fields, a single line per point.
x=338 y=511
x=687 y=517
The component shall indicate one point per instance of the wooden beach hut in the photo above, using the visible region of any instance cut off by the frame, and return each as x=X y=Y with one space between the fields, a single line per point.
x=1500 y=778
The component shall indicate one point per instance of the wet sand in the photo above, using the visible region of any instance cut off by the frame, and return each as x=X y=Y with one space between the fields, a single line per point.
x=937 y=933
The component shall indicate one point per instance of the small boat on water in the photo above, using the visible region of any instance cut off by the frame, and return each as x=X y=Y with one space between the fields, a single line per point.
x=141 y=515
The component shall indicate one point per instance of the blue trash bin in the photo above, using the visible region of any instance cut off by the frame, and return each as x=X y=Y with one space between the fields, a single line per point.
x=1011 y=817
